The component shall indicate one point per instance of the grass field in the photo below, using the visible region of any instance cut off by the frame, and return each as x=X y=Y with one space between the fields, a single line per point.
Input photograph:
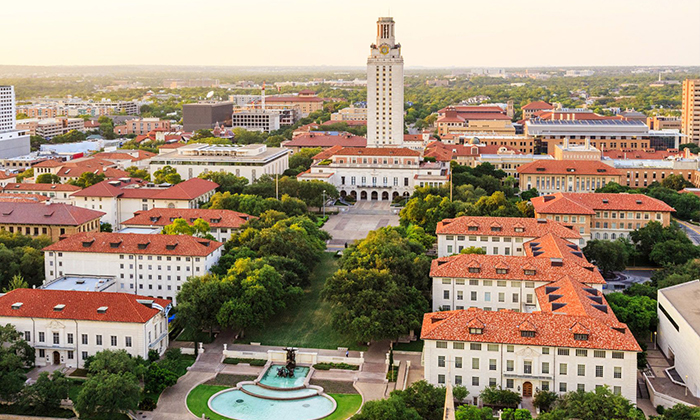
x=197 y=400
x=308 y=322
x=412 y=346
x=189 y=334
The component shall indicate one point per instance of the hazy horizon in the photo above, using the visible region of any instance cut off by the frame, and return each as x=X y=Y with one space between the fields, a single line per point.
x=306 y=33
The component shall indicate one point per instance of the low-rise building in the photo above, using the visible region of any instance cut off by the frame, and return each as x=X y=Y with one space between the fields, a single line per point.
x=660 y=122
x=474 y=119
x=377 y=173
x=306 y=101
x=50 y=219
x=250 y=161
x=152 y=265
x=121 y=198
x=533 y=107
x=141 y=126
x=603 y=134
x=56 y=192
x=600 y=215
x=222 y=223
x=496 y=235
x=350 y=113
x=66 y=327
x=125 y=158
x=324 y=140
x=679 y=332
x=50 y=127
x=264 y=120
x=584 y=151
x=550 y=176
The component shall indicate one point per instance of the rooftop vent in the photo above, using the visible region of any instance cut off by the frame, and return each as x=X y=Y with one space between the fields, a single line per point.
x=542 y=221
x=596 y=299
x=553 y=297
x=115 y=244
x=170 y=247
x=540 y=169
x=537 y=253
x=605 y=201
x=556 y=306
x=17 y=305
x=80 y=282
x=7 y=213
x=88 y=244
x=578 y=254
x=144 y=245
x=146 y=302
x=548 y=198
x=550 y=289
x=639 y=201
x=102 y=310
x=59 y=307
x=556 y=262
x=48 y=214
x=602 y=308
x=591 y=290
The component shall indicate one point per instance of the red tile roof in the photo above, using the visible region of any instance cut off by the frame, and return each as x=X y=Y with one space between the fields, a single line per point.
x=504 y=226
x=545 y=269
x=323 y=139
x=45 y=214
x=552 y=330
x=216 y=218
x=134 y=243
x=41 y=303
x=22 y=198
x=695 y=191
x=568 y=296
x=282 y=99
x=376 y=151
x=328 y=153
x=49 y=163
x=641 y=154
x=350 y=123
x=589 y=203
x=446 y=152
x=40 y=187
x=97 y=166
x=568 y=167
x=172 y=145
x=135 y=188
x=538 y=105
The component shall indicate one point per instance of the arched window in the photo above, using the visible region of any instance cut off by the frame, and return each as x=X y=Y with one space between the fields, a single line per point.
x=613 y=236
x=605 y=236
x=597 y=235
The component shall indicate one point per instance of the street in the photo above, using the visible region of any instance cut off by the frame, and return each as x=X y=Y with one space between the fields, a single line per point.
x=691 y=230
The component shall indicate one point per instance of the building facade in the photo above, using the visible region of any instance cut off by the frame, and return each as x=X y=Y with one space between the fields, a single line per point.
x=604 y=134
x=250 y=161
x=550 y=176
x=154 y=265
x=67 y=327
x=51 y=219
x=13 y=142
x=385 y=88
x=602 y=216
x=690 y=110
x=142 y=126
x=205 y=115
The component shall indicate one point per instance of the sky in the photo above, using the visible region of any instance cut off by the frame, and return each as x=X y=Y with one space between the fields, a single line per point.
x=447 y=33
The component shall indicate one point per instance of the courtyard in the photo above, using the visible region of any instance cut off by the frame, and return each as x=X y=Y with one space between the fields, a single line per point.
x=355 y=222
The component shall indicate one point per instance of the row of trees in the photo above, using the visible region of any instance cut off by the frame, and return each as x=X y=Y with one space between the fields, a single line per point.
x=21 y=259
x=382 y=287
x=261 y=272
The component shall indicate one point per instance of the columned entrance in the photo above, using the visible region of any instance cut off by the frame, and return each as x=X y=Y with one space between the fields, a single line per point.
x=375 y=196
x=385 y=195
x=527 y=389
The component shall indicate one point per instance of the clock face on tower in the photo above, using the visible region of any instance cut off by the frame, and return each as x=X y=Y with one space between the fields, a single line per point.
x=384 y=49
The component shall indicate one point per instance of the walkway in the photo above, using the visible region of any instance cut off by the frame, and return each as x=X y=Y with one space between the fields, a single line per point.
x=354 y=222
x=691 y=230
x=662 y=384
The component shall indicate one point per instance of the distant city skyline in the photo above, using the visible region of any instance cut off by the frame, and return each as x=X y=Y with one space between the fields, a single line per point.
x=333 y=33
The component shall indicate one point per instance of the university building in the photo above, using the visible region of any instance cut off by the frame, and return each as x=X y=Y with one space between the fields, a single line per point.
x=153 y=265
x=66 y=327
x=551 y=176
x=47 y=219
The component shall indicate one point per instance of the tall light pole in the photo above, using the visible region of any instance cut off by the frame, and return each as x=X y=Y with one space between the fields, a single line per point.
x=324 y=203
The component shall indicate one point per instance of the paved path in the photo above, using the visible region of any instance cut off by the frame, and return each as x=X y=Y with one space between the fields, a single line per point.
x=691 y=230
x=354 y=222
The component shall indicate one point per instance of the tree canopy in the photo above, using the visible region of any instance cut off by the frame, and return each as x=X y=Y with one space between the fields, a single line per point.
x=167 y=175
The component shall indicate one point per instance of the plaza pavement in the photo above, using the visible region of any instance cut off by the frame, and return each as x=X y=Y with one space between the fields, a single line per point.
x=354 y=222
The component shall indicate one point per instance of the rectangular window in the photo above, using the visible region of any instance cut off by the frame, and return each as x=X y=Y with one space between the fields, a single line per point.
x=458 y=379
x=527 y=367
x=458 y=346
x=581 y=370
x=600 y=354
x=441 y=361
x=492 y=347
x=70 y=355
x=510 y=349
x=563 y=369
x=127 y=341
x=441 y=344
x=445 y=294
x=84 y=355
x=617 y=372
x=84 y=339
x=510 y=365
x=475 y=381
x=475 y=346
x=599 y=371
x=475 y=363
x=41 y=337
x=42 y=353
x=545 y=350
x=113 y=340
x=460 y=295
x=562 y=386
x=509 y=383
x=581 y=387
x=618 y=355
x=581 y=353
x=562 y=352
x=545 y=367
x=492 y=364
x=473 y=296
x=441 y=379
x=617 y=390
x=69 y=338
x=98 y=339
x=458 y=362
x=545 y=385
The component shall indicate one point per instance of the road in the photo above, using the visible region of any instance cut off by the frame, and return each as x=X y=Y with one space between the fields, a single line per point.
x=691 y=230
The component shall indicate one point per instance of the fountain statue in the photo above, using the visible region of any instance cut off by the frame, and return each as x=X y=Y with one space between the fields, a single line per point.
x=287 y=371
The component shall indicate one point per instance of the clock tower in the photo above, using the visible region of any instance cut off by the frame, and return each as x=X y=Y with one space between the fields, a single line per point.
x=385 y=89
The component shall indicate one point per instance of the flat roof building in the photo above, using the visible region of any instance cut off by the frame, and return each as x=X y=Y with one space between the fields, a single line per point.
x=205 y=115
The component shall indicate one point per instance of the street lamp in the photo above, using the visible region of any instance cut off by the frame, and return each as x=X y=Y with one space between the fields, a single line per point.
x=324 y=203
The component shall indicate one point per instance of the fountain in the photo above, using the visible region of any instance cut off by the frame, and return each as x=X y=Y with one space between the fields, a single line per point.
x=288 y=370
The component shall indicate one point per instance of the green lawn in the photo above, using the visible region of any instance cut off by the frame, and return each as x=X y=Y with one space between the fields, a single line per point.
x=412 y=346
x=189 y=334
x=307 y=323
x=198 y=398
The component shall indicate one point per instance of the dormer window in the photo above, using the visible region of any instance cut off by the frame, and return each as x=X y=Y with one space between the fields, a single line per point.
x=474 y=269
x=496 y=228
x=519 y=229
x=473 y=228
x=529 y=272
x=528 y=334
x=501 y=271
x=476 y=330
x=581 y=337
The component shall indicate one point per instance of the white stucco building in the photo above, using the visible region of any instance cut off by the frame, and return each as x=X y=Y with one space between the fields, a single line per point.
x=145 y=264
x=13 y=142
x=66 y=327
x=385 y=88
x=250 y=161
x=496 y=235
x=679 y=331
x=121 y=198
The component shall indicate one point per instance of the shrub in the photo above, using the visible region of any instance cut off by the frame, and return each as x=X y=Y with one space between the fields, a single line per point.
x=327 y=366
x=153 y=356
x=252 y=362
x=147 y=404
x=660 y=409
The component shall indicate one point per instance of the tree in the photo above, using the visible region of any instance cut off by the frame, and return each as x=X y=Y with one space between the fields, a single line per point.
x=28 y=173
x=301 y=161
x=48 y=179
x=681 y=412
x=105 y=227
x=500 y=398
x=595 y=405
x=472 y=412
x=390 y=409
x=516 y=414
x=460 y=393
x=370 y=305
x=609 y=256
x=158 y=378
x=228 y=182
x=647 y=238
x=199 y=302
x=15 y=355
x=135 y=172
x=428 y=400
x=638 y=312
x=676 y=182
x=544 y=400
x=45 y=395
x=17 y=282
x=529 y=194
x=114 y=361
x=167 y=175
x=87 y=179
x=108 y=394
x=180 y=226
x=673 y=252
x=473 y=250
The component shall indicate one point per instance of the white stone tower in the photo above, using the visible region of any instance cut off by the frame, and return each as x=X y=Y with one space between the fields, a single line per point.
x=385 y=89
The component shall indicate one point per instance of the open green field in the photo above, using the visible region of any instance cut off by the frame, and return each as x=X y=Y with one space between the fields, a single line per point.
x=308 y=322
x=197 y=399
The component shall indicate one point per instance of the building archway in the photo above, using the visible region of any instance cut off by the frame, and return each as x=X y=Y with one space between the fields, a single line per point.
x=406 y=194
x=56 y=358
x=343 y=194
x=375 y=196
x=394 y=195
x=353 y=194
x=527 y=389
x=363 y=195
x=385 y=195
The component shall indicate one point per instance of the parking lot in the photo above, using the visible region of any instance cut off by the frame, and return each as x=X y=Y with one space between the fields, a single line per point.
x=354 y=222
